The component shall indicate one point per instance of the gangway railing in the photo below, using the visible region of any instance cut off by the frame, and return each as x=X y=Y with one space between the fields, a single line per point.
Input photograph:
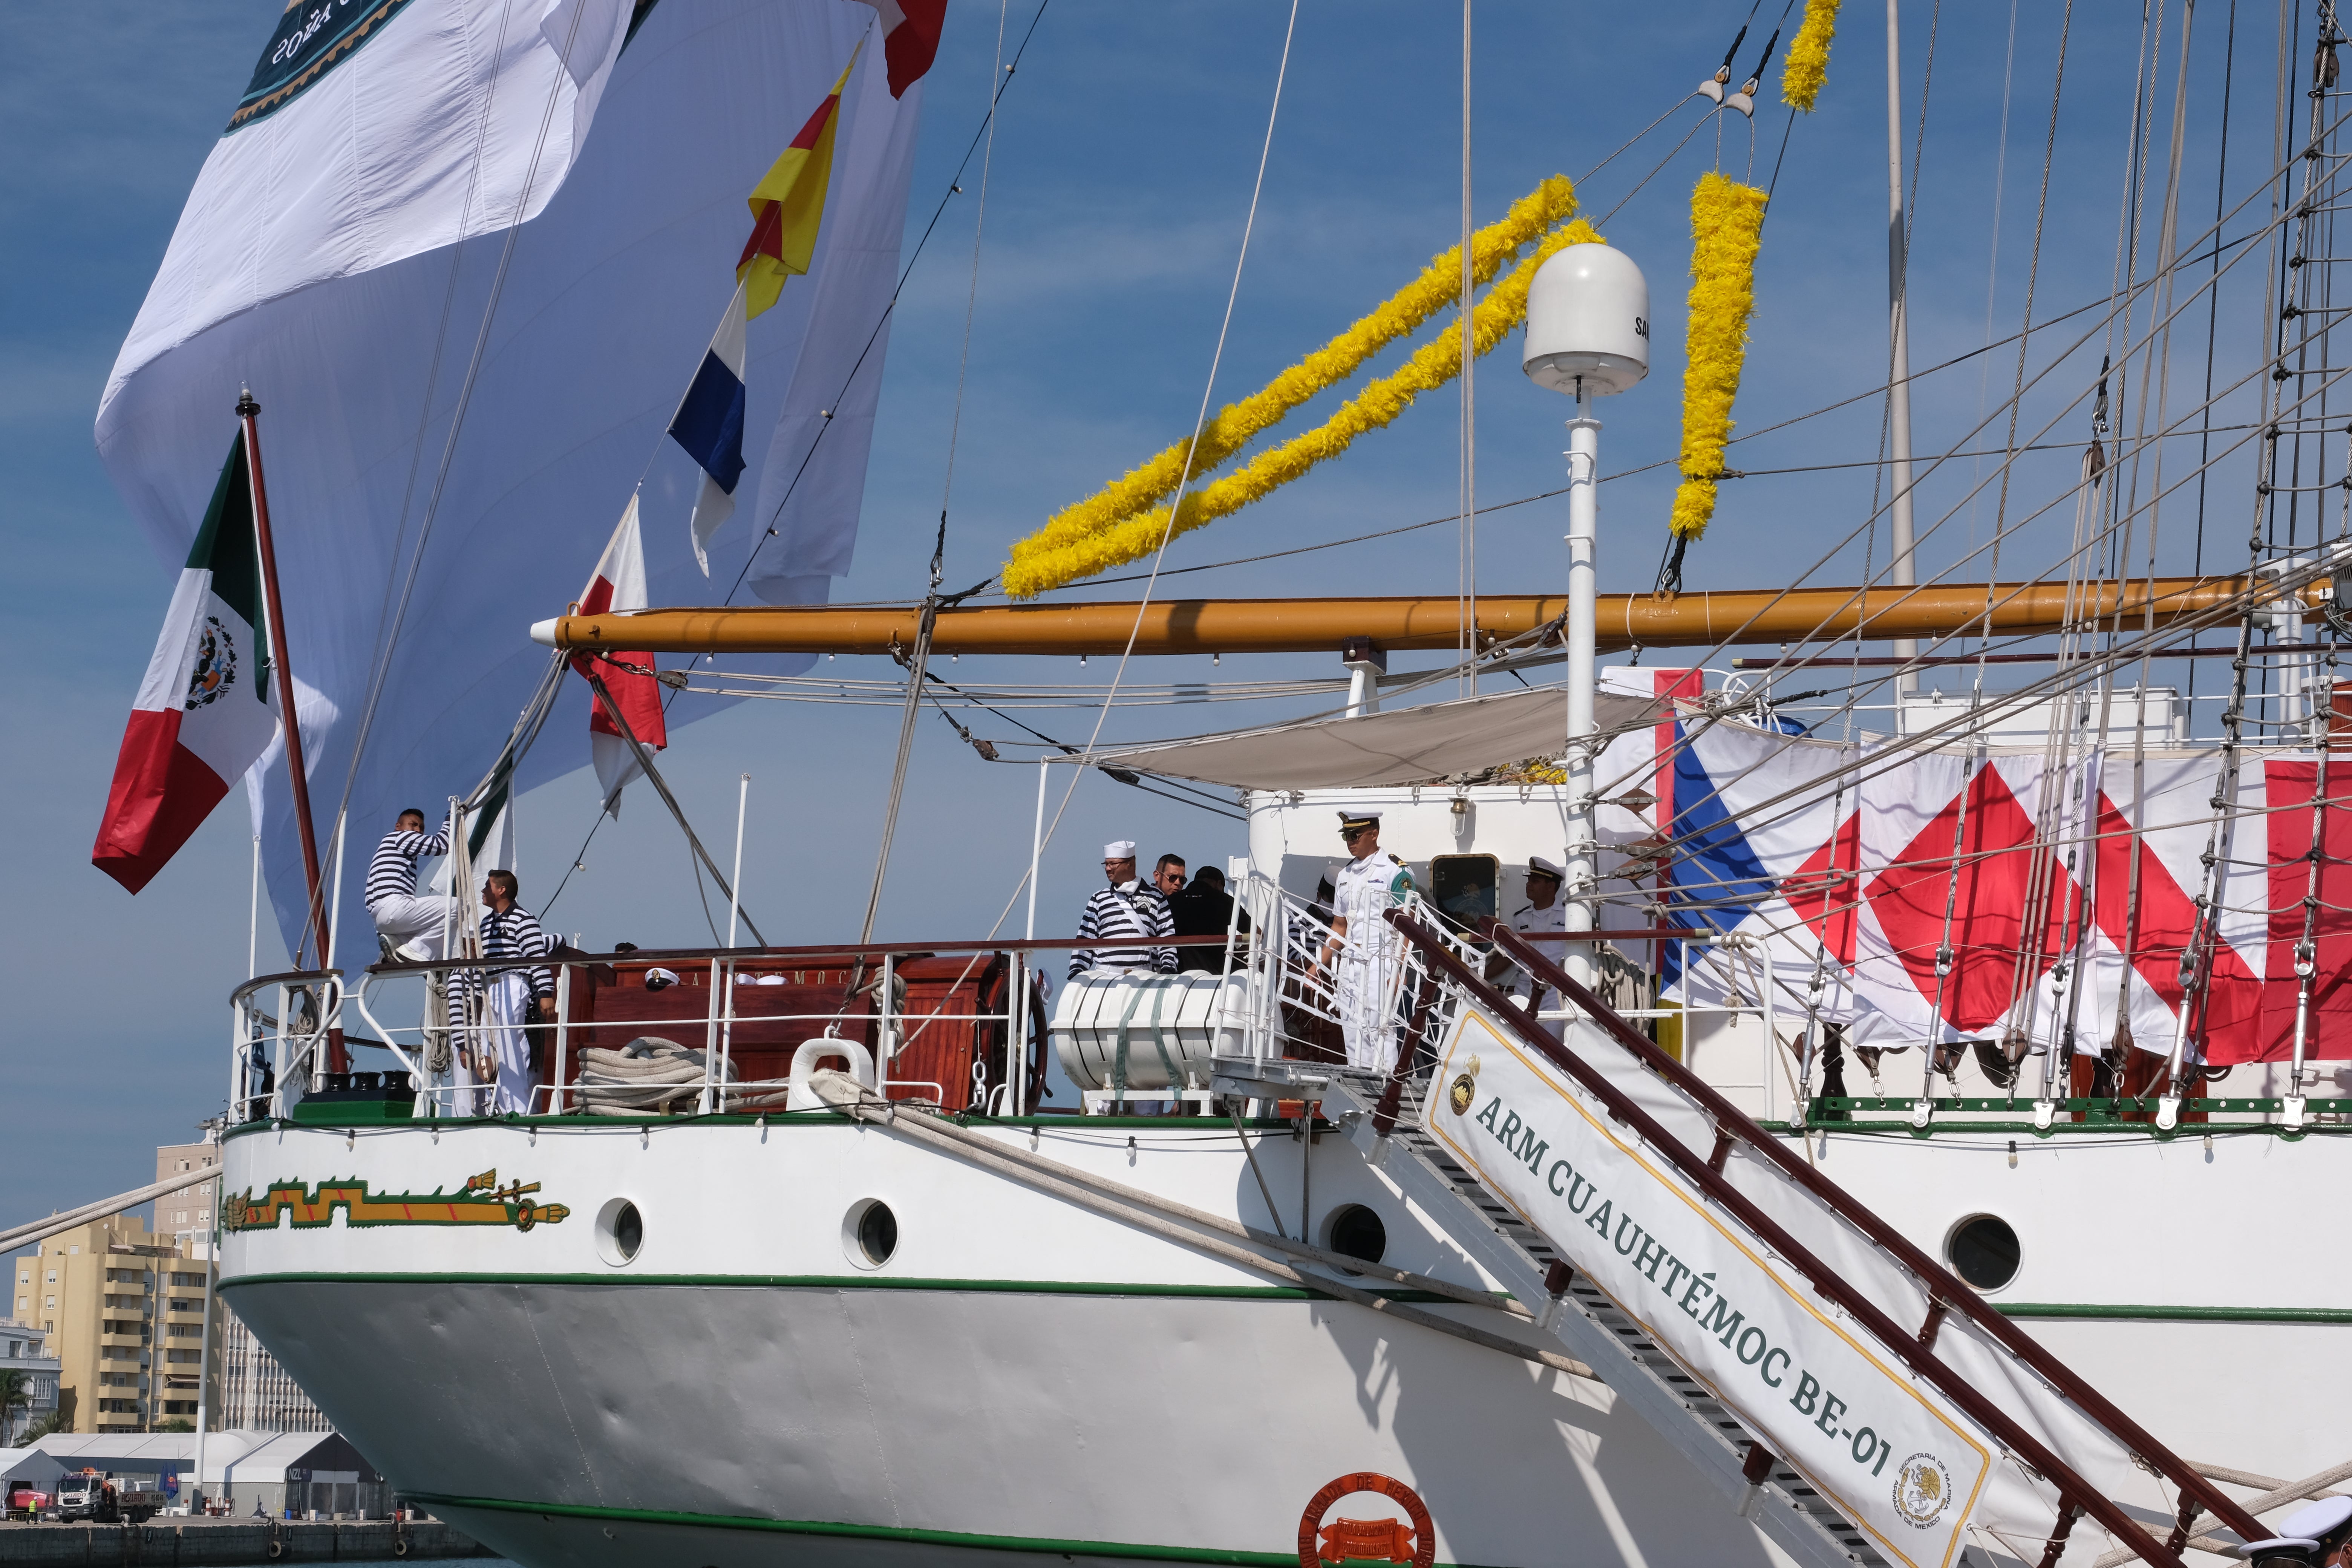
x=1293 y=985
x=2036 y=1424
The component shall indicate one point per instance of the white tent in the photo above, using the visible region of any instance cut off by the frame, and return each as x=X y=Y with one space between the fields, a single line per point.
x=1408 y=745
x=269 y=1470
x=29 y=1465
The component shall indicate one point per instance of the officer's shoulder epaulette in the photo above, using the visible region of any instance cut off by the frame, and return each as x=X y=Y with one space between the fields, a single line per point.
x=1398 y=858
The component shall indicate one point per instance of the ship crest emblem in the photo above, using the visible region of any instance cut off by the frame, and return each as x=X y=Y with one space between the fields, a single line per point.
x=1463 y=1092
x=483 y=1200
x=1923 y=1490
x=215 y=666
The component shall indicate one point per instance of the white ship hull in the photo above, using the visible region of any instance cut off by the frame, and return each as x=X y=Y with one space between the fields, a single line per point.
x=1023 y=1377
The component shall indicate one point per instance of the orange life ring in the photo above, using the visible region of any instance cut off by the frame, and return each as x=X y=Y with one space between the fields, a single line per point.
x=1384 y=1541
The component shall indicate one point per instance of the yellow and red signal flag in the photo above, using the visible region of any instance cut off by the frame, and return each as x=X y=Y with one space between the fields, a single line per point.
x=788 y=204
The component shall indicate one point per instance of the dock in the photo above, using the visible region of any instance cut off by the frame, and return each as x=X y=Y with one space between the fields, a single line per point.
x=235 y=1542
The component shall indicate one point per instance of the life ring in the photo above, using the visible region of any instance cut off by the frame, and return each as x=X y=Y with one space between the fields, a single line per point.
x=1423 y=1536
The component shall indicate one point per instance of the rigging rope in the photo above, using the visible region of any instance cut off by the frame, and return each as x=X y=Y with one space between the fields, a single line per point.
x=1466 y=610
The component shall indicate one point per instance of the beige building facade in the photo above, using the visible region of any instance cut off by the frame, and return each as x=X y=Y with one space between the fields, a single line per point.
x=120 y=1302
x=186 y=1216
x=123 y=1311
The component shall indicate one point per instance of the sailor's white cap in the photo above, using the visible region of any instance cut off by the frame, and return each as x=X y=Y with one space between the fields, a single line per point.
x=1354 y=819
x=1538 y=865
x=2322 y=1518
x=660 y=979
x=1120 y=850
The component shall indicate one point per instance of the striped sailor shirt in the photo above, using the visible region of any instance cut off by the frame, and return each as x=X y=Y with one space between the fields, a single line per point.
x=392 y=873
x=515 y=933
x=1132 y=912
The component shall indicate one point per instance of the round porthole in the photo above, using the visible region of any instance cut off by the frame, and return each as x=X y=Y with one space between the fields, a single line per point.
x=869 y=1232
x=1355 y=1231
x=620 y=1231
x=1983 y=1251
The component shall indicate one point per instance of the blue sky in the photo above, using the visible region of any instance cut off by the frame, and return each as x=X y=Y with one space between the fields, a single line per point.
x=1122 y=169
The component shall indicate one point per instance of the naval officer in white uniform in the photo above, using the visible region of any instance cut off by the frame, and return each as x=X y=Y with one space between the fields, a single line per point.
x=1543 y=912
x=1371 y=951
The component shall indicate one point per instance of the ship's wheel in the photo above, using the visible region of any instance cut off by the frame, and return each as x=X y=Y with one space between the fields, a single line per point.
x=1367 y=1540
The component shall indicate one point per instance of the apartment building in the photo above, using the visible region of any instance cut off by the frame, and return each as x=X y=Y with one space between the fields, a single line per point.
x=186 y=1216
x=123 y=1313
x=23 y=1350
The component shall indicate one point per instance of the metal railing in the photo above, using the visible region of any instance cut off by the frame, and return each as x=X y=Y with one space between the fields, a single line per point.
x=1285 y=945
x=1292 y=981
x=281 y=1023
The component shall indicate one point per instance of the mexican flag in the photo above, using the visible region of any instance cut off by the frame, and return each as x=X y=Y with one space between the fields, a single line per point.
x=204 y=714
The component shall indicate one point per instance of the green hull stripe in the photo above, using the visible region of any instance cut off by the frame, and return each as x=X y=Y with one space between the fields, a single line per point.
x=2092 y=1312
x=2176 y=1314
x=956 y=1538
x=2137 y=1131
x=836 y=1283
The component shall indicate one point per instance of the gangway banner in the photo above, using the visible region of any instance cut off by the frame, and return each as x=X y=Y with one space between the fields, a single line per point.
x=1884 y=1447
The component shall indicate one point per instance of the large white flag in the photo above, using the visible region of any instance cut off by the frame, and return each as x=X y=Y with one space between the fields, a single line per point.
x=349 y=248
x=452 y=118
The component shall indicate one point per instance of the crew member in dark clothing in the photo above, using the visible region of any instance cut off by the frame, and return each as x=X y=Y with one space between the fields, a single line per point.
x=1204 y=909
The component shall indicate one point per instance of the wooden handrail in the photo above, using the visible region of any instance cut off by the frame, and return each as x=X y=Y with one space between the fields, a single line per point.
x=1898 y=1342
x=1944 y=1289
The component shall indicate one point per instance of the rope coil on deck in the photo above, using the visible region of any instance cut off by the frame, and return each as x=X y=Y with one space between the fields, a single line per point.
x=649 y=1073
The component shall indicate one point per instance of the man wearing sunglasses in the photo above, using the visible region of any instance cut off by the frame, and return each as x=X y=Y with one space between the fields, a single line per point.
x=1124 y=918
x=1370 y=951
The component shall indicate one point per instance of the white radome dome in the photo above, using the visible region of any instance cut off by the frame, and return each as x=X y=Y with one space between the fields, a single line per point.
x=1588 y=318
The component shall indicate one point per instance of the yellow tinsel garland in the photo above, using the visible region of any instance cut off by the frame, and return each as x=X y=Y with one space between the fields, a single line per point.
x=1037 y=569
x=1808 y=56
x=1438 y=286
x=1727 y=221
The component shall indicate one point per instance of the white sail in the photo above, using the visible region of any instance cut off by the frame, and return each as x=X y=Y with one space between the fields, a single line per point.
x=360 y=357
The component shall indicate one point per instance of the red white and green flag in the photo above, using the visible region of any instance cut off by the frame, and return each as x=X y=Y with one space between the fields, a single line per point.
x=204 y=713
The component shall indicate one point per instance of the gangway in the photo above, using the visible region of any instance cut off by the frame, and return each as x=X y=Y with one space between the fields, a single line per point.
x=1863 y=1404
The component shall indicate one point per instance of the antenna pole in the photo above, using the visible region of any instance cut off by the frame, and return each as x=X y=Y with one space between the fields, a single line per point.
x=1583 y=880
x=1903 y=572
x=249 y=413
x=735 y=893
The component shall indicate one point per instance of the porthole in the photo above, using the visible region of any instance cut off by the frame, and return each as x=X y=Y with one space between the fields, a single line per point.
x=1983 y=1252
x=620 y=1231
x=869 y=1232
x=1354 y=1231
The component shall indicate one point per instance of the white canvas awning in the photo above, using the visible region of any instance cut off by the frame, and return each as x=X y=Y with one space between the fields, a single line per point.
x=1409 y=745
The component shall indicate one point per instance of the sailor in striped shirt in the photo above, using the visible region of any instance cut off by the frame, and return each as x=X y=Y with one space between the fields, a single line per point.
x=1127 y=911
x=503 y=1048
x=413 y=925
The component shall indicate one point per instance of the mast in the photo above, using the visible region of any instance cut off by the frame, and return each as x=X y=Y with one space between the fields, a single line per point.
x=1903 y=572
x=249 y=413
